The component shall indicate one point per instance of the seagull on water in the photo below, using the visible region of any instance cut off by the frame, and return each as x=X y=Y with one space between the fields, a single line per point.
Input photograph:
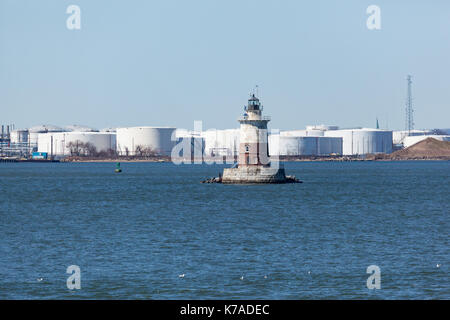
x=39 y=279
x=242 y=278
x=181 y=275
x=438 y=265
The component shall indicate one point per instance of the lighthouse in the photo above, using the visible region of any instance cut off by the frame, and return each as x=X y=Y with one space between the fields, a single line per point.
x=253 y=147
x=254 y=164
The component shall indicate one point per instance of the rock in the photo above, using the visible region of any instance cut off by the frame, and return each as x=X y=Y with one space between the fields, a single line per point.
x=213 y=180
x=292 y=179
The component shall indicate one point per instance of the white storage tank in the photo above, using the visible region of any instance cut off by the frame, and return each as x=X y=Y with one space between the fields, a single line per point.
x=184 y=133
x=304 y=146
x=315 y=133
x=311 y=131
x=307 y=146
x=444 y=131
x=283 y=145
x=363 y=141
x=157 y=139
x=221 y=142
x=34 y=132
x=108 y=130
x=192 y=138
x=231 y=140
x=399 y=136
x=319 y=130
x=322 y=127
x=79 y=128
x=19 y=136
x=329 y=146
x=74 y=143
x=210 y=137
x=411 y=140
x=294 y=133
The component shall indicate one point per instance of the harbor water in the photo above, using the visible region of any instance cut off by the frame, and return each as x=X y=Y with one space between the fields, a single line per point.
x=135 y=233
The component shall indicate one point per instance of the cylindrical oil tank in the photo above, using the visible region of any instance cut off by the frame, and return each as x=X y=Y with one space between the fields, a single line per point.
x=192 y=138
x=160 y=140
x=79 y=128
x=292 y=146
x=293 y=133
x=412 y=140
x=72 y=143
x=19 y=136
x=34 y=132
x=232 y=141
x=308 y=146
x=210 y=138
x=315 y=133
x=221 y=142
x=304 y=146
x=283 y=145
x=399 y=136
x=363 y=141
x=274 y=144
x=184 y=133
x=322 y=127
x=329 y=146
x=45 y=142
x=108 y=130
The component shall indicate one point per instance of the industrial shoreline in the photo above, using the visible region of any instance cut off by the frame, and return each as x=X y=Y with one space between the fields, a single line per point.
x=158 y=143
x=427 y=150
x=148 y=142
x=370 y=157
x=165 y=160
x=281 y=160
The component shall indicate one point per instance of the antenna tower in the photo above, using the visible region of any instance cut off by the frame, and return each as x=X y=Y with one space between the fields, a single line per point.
x=409 y=126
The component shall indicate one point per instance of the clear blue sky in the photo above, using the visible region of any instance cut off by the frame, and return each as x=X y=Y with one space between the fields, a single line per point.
x=172 y=62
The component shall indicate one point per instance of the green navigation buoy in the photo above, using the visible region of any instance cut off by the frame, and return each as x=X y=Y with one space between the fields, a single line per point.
x=118 y=168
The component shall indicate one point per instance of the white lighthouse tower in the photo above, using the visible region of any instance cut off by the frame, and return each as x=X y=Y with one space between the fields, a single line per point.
x=254 y=162
x=253 y=148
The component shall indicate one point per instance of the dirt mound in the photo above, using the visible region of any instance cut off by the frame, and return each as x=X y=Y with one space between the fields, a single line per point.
x=426 y=149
